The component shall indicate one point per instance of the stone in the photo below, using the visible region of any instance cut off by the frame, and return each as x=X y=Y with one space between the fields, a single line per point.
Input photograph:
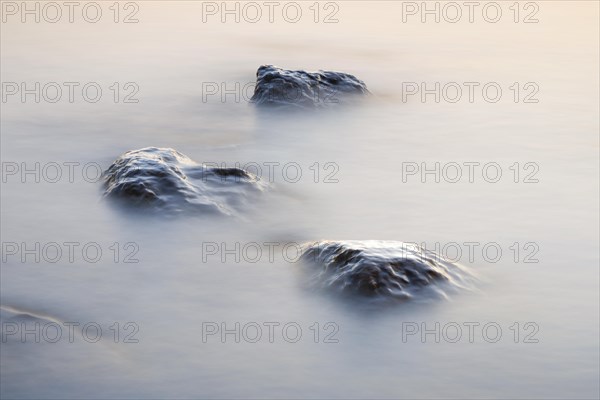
x=382 y=269
x=165 y=180
x=281 y=88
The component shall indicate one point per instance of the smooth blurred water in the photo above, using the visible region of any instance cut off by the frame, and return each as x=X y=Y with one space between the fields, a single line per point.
x=169 y=54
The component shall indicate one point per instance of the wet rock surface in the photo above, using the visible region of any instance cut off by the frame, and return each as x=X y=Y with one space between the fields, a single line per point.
x=163 y=179
x=281 y=88
x=381 y=269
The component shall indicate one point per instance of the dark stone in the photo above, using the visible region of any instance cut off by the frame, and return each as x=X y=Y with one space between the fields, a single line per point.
x=166 y=180
x=281 y=88
x=384 y=269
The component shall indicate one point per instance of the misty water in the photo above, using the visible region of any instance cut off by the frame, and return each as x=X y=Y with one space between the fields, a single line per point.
x=352 y=187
